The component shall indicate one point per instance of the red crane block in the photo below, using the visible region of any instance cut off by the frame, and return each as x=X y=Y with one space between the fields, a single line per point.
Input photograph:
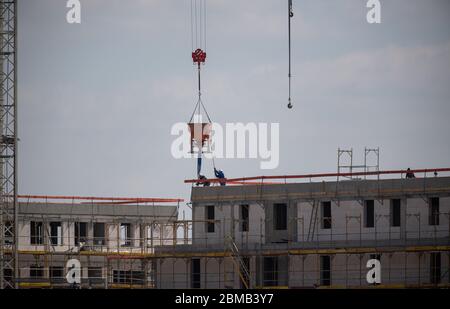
x=199 y=56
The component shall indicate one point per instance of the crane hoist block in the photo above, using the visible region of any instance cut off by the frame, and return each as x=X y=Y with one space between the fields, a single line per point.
x=199 y=56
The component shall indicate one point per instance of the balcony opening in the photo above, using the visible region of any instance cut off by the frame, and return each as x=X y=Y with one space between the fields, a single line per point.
x=325 y=270
x=125 y=234
x=280 y=217
x=326 y=215
x=99 y=234
x=270 y=271
x=433 y=211
x=395 y=212
x=369 y=214
x=80 y=233
x=244 y=211
x=195 y=273
x=210 y=217
x=56 y=234
x=37 y=235
x=435 y=267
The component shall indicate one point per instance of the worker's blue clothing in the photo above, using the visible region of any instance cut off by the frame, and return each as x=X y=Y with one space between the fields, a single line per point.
x=219 y=174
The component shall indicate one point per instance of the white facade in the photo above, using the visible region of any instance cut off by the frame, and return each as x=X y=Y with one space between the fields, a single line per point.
x=295 y=248
x=110 y=241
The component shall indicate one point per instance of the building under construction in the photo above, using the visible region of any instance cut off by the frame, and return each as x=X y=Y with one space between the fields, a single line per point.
x=110 y=237
x=250 y=233
x=301 y=231
x=315 y=234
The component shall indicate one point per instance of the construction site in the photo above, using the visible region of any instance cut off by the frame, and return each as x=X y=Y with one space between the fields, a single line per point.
x=297 y=231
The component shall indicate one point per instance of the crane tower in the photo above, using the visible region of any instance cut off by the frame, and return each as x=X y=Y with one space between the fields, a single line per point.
x=8 y=144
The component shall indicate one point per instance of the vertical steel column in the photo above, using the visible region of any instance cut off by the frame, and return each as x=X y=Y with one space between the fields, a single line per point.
x=8 y=145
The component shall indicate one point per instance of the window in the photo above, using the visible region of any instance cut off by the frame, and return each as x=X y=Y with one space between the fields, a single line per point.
x=325 y=270
x=434 y=211
x=435 y=267
x=128 y=277
x=195 y=273
x=210 y=217
x=369 y=213
x=56 y=273
x=270 y=275
x=125 y=234
x=56 y=233
x=95 y=274
x=37 y=236
x=326 y=215
x=280 y=216
x=395 y=212
x=80 y=232
x=99 y=234
x=244 y=272
x=244 y=218
x=36 y=271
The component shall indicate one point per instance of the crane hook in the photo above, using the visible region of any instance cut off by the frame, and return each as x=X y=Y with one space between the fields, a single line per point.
x=291 y=14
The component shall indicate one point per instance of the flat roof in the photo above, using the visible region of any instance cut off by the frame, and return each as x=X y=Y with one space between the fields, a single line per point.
x=99 y=210
x=343 y=189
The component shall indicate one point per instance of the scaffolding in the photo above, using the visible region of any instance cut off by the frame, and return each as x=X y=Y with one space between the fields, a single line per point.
x=136 y=267
x=386 y=245
x=412 y=243
x=115 y=259
x=235 y=254
x=350 y=166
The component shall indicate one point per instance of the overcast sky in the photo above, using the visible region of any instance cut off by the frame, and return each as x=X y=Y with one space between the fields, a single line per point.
x=98 y=100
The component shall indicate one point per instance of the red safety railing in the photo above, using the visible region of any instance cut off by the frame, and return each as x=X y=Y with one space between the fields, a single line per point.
x=100 y=200
x=261 y=179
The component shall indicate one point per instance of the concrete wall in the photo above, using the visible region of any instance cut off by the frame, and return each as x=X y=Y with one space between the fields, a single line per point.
x=303 y=271
x=347 y=230
x=148 y=234
x=229 y=223
x=27 y=262
x=215 y=273
x=347 y=222
x=150 y=227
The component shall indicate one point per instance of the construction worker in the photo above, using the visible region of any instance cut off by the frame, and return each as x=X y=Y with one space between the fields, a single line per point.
x=203 y=183
x=409 y=174
x=219 y=174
